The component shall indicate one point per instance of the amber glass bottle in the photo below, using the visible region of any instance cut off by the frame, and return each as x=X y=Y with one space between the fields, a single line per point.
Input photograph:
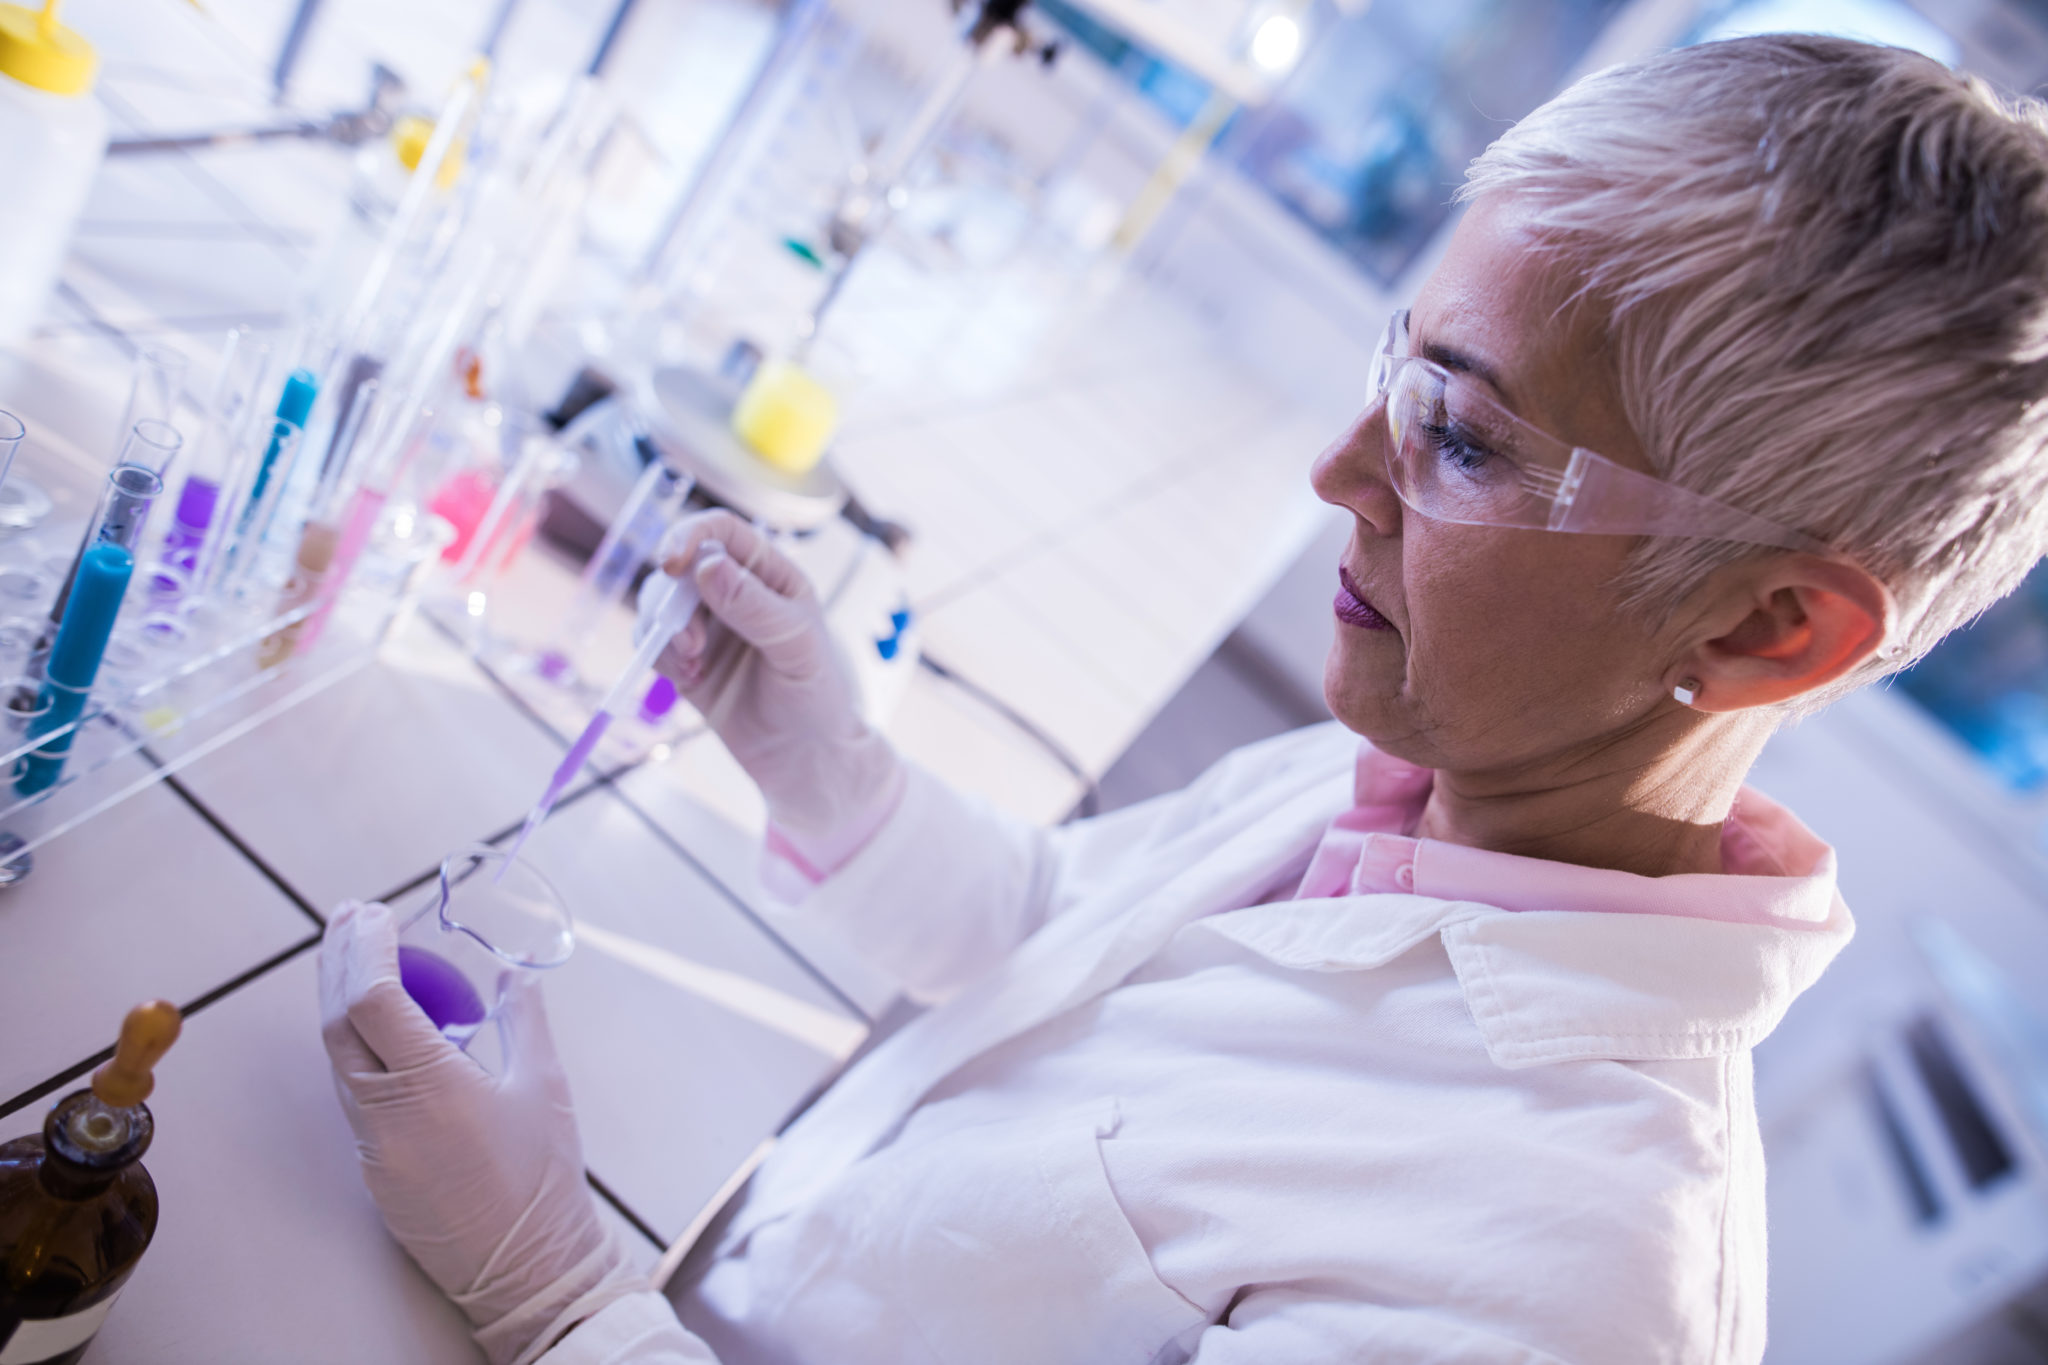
x=77 y=1209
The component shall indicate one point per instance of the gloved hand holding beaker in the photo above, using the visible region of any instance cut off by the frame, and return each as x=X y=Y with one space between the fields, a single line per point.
x=479 y=1176
x=758 y=661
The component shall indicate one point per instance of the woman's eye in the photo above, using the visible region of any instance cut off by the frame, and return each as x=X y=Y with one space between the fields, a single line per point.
x=1456 y=447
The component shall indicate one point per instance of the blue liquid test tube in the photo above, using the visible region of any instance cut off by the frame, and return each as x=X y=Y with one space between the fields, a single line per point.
x=295 y=406
x=103 y=575
x=245 y=528
x=150 y=448
x=251 y=530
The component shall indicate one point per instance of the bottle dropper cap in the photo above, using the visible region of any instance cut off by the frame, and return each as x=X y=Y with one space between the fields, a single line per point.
x=146 y=1035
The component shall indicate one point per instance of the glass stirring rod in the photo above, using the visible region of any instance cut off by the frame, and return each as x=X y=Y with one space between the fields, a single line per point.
x=670 y=617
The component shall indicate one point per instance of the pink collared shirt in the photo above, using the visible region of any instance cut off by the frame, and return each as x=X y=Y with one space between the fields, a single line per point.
x=1777 y=871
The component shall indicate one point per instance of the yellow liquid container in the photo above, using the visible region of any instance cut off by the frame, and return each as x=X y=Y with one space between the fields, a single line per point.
x=409 y=138
x=786 y=417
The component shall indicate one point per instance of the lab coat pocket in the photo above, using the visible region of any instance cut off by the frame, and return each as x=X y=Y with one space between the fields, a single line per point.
x=1072 y=1281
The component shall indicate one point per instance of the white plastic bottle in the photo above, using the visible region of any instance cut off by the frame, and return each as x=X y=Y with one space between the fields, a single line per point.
x=53 y=135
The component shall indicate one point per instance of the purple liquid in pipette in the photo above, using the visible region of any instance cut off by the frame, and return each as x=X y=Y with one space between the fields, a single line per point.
x=572 y=764
x=659 y=701
x=439 y=987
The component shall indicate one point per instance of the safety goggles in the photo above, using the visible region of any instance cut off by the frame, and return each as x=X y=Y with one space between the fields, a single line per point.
x=1457 y=455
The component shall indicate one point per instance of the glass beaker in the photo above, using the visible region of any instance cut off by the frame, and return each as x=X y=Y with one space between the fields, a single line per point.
x=490 y=919
x=22 y=504
x=11 y=432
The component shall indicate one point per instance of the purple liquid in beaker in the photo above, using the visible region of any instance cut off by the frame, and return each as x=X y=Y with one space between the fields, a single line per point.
x=440 y=988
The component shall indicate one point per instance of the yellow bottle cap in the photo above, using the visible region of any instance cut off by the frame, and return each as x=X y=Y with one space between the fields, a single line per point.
x=786 y=416
x=37 y=50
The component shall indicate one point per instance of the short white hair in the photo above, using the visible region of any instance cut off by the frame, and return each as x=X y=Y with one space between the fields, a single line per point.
x=1824 y=269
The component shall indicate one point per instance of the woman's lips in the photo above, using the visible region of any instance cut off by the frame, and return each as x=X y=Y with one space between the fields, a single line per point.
x=1352 y=608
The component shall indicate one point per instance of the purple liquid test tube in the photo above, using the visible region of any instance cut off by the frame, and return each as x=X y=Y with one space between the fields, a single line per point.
x=194 y=515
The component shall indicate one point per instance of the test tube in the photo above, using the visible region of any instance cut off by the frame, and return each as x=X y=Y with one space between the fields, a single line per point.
x=150 y=447
x=294 y=407
x=500 y=530
x=249 y=534
x=124 y=506
x=630 y=539
x=152 y=444
x=362 y=369
x=240 y=453
x=74 y=663
x=448 y=129
x=240 y=540
x=324 y=526
x=215 y=458
x=158 y=378
x=386 y=462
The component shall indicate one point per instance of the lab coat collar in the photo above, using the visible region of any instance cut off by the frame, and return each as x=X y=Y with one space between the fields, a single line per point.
x=1559 y=962
x=1563 y=962
x=1778 y=872
x=1555 y=986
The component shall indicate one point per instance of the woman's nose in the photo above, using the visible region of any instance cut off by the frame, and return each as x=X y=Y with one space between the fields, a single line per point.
x=1352 y=473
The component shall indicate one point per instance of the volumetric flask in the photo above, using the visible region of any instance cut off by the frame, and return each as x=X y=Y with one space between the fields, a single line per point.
x=490 y=919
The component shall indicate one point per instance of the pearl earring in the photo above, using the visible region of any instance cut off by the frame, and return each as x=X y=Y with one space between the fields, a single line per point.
x=1687 y=691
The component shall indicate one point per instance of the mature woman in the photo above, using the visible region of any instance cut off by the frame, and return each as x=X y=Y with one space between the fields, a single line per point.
x=1432 y=1048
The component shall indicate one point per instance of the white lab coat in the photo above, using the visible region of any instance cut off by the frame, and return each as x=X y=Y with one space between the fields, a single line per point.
x=1165 y=1114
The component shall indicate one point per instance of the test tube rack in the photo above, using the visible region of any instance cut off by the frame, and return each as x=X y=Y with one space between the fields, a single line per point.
x=188 y=683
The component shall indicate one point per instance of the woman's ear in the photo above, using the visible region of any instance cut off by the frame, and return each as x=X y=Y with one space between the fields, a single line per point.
x=1788 y=626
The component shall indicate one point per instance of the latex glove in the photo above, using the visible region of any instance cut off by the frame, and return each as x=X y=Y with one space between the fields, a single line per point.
x=479 y=1177
x=758 y=662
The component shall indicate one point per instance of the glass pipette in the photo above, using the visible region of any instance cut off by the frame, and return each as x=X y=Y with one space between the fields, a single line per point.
x=670 y=617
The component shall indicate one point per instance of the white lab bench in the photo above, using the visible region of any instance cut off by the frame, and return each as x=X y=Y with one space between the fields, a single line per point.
x=1092 y=516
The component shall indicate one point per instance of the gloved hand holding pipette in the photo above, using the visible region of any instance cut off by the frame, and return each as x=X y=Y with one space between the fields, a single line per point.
x=760 y=665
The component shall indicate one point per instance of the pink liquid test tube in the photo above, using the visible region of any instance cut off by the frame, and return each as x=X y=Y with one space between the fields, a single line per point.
x=463 y=498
